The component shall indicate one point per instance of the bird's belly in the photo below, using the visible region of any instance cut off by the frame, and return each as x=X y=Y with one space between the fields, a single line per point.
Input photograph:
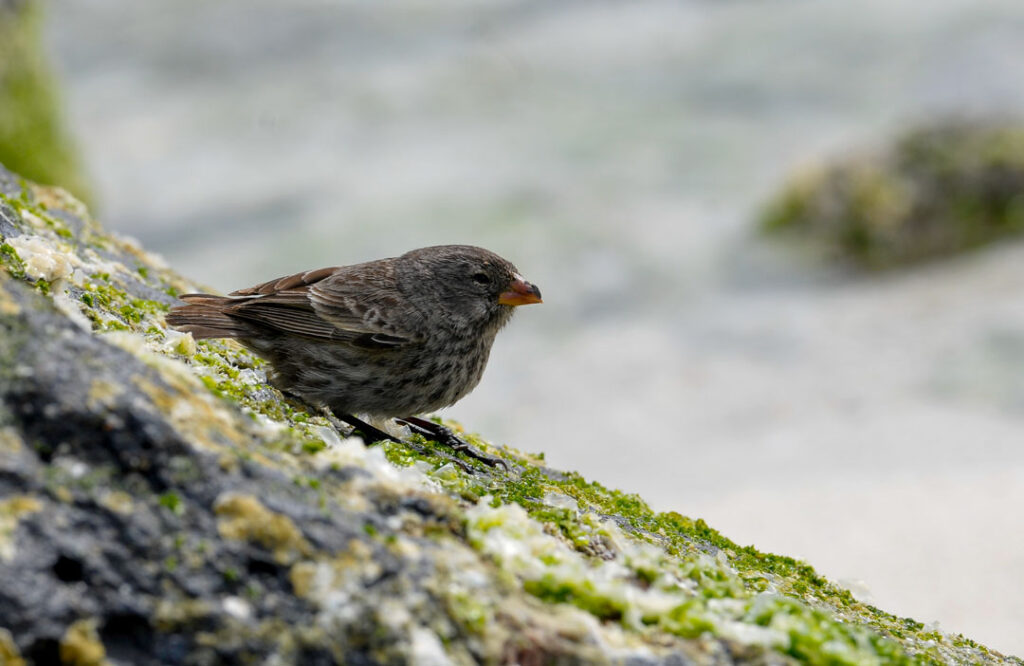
x=400 y=382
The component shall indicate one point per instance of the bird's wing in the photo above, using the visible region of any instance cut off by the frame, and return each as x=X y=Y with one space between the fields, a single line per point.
x=353 y=304
x=289 y=283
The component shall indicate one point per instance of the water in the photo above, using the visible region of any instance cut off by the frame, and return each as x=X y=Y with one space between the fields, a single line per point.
x=617 y=153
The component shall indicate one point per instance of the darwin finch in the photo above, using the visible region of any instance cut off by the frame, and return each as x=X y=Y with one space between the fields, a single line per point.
x=393 y=337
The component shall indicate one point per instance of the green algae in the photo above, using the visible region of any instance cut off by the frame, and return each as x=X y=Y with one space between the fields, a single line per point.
x=813 y=635
x=172 y=502
x=804 y=598
x=582 y=595
x=12 y=261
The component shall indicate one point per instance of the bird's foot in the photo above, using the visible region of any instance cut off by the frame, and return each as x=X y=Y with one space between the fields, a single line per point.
x=443 y=435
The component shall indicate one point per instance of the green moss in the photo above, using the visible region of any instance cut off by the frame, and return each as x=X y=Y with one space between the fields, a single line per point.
x=33 y=141
x=12 y=261
x=581 y=594
x=688 y=539
x=113 y=325
x=172 y=502
x=111 y=308
x=471 y=614
x=131 y=314
x=222 y=370
x=815 y=638
x=688 y=620
x=313 y=445
x=398 y=455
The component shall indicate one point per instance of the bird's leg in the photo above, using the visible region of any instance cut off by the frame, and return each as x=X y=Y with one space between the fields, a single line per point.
x=443 y=435
x=371 y=435
x=363 y=429
x=367 y=432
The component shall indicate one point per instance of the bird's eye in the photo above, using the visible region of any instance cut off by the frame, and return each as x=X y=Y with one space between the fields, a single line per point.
x=481 y=278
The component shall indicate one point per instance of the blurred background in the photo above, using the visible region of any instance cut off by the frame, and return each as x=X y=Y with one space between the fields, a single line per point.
x=750 y=221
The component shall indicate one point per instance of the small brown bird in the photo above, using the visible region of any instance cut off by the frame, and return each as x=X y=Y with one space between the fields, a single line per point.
x=393 y=337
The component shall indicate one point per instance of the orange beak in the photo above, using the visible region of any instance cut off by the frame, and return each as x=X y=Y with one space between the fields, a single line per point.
x=520 y=292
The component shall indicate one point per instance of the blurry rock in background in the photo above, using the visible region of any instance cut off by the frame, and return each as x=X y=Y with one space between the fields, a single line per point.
x=935 y=191
x=33 y=140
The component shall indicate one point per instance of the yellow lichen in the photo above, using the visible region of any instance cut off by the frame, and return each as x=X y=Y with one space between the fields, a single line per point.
x=81 y=645
x=132 y=246
x=10 y=441
x=345 y=572
x=228 y=463
x=11 y=511
x=192 y=415
x=117 y=501
x=302 y=575
x=102 y=393
x=172 y=615
x=9 y=653
x=51 y=196
x=243 y=517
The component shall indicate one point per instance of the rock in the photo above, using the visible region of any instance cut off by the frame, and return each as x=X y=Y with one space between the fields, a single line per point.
x=934 y=192
x=160 y=503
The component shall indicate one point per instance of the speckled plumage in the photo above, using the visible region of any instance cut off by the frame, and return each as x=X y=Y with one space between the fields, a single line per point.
x=393 y=337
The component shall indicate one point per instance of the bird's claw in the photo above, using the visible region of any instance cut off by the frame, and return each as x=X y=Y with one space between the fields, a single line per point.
x=444 y=435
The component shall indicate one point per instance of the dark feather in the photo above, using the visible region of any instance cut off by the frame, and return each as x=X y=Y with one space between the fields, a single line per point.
x=350 y=304
x=206 y=319
x=289 y=282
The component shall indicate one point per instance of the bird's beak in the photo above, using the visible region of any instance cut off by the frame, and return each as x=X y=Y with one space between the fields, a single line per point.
x=520 y=292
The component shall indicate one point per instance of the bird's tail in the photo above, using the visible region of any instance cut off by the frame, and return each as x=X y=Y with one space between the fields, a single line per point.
x=206 y=316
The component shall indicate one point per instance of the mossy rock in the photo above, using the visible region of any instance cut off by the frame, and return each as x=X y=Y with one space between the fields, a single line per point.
x=934 y=192
x=33 y=139
x=160 y=503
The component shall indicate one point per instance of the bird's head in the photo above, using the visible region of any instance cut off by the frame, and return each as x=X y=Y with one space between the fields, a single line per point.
x=468 y=282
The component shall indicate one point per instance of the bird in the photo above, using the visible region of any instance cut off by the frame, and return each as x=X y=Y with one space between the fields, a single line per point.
x=395 y=337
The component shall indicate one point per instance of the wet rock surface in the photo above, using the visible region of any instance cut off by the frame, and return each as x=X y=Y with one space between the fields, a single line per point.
x=161 y=504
